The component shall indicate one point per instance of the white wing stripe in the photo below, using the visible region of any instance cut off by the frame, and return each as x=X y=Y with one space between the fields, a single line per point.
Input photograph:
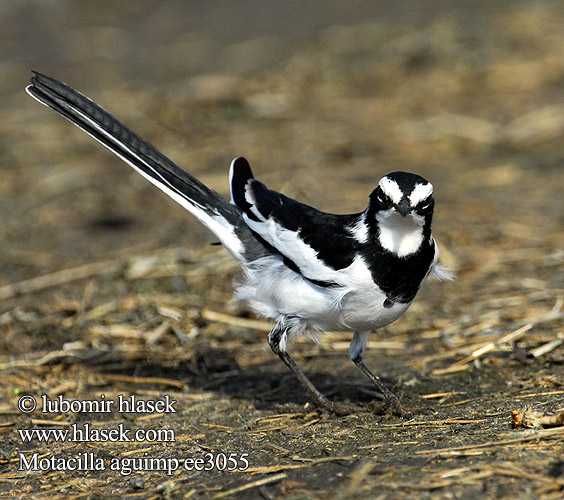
x=289 y=244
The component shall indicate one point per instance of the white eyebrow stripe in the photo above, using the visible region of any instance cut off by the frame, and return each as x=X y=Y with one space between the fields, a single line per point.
x=420 y=192
x=391 y=189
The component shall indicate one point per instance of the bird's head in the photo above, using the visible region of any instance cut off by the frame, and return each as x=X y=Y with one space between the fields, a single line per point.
x=403 y=193
x=402 y=210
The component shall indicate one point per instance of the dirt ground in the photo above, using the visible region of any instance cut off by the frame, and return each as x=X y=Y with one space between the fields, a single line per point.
x=109 y=289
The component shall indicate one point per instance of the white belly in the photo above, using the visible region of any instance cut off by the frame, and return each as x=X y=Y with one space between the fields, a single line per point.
x=274 y=291
x=366 y=311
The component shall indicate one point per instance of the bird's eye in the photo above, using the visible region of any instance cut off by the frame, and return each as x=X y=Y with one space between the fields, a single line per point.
x=383 y=199
x=425 y=206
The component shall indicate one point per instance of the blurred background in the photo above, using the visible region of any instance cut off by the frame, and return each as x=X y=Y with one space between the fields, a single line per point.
x=322 y=97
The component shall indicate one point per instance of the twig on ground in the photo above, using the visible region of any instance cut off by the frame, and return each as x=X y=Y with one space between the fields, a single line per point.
x=462 y=364
x=252 y=484
x=61 y=277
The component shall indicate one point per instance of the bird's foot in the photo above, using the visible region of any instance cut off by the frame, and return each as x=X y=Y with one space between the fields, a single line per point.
x=391 y=407
x=394 y=407
x=341 y=410
x=337 y=409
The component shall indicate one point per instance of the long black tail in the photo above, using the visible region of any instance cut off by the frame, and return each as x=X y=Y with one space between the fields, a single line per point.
x=216 y=213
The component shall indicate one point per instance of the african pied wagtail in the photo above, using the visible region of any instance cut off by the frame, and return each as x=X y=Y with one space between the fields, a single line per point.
x=310 y=271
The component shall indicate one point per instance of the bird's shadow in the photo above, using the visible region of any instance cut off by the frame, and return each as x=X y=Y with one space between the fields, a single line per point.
x=267 y=384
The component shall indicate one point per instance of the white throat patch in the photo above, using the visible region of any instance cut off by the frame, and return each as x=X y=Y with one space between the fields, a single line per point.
x=400 y=235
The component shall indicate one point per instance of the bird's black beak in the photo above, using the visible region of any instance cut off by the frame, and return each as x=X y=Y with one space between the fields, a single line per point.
x=403 y=207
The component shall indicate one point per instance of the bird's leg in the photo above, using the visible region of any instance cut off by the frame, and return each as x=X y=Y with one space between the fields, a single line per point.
x=356 y=353
x=277 y=340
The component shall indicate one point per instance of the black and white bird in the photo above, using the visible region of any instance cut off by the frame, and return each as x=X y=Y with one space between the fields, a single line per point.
x=308 y=270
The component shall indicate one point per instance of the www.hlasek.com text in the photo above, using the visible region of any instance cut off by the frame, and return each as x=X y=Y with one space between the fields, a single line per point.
x=86 y=433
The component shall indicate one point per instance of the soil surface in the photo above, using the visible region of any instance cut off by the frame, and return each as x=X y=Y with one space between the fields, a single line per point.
x=109 y=290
